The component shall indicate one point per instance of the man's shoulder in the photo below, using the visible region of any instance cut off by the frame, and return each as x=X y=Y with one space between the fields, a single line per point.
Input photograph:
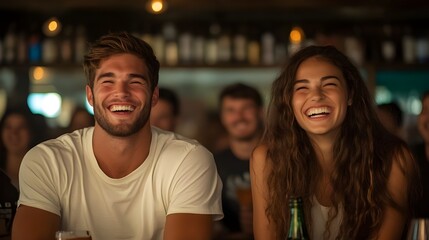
x=173 y=139
x=70 y=139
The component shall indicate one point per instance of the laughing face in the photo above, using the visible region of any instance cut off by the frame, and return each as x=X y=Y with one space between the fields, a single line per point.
x=320 y=98
x=121 y=95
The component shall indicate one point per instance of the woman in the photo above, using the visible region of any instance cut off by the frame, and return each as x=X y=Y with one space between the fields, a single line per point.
x=18 y=135
x=324 y=143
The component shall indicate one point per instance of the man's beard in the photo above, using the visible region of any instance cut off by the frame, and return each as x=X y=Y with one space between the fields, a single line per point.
x=121 y=130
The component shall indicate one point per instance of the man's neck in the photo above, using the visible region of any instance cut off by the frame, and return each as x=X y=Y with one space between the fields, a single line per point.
x=242 y=149
x=119 y=156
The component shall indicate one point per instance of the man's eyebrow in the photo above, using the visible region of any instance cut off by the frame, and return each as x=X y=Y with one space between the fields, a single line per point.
x=131 y=75
x=108 y=74
x=137 y=75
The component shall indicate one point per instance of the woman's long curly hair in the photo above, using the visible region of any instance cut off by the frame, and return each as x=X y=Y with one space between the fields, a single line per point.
x=363 y=155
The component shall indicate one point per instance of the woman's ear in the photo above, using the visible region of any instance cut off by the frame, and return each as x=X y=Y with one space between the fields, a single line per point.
x=350 y=98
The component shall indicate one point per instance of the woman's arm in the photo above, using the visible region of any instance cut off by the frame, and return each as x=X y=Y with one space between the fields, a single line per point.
x=258 y=172
x=394 y=220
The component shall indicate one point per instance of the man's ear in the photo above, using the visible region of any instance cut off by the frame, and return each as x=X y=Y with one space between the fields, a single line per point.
x=89 y=95
x=155 y=96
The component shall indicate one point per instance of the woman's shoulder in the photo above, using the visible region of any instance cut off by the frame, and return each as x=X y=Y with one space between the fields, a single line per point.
x=259 y=158
x=260 y=152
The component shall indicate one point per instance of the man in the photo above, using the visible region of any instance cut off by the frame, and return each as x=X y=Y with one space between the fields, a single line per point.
x=241 y=113
x=165 y=113
x=120 y=179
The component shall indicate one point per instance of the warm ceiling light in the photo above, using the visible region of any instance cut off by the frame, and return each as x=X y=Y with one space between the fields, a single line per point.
x=156 y=6
x=296 y=35
x=38 y=73
x=52 y=27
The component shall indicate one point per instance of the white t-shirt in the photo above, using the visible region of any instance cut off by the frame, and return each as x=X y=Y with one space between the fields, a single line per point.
x=62 y=176
x=319 y=217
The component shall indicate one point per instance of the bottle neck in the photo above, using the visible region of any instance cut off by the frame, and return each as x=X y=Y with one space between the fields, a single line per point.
x=297 y=227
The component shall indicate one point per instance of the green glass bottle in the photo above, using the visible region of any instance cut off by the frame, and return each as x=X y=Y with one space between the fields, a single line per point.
x=297 y=228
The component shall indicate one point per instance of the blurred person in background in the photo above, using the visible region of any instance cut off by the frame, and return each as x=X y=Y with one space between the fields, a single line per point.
x=80 y=118
x=165 y=113
x=18 y=134
x=421 y=153
x=241 y=113
x=323 y=142
x=122 y=178
x=391 y=116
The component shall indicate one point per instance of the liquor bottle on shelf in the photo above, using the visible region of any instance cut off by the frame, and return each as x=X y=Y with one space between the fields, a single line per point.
x=80 y=44
x=224 y=46
x=66 y=47
x=9 y=44
x=21 y=48
x=388 y=47
x=239 y=46
x=297 y=228
x=254 y=49
x=50 y=50
x=34 y=46
x=211 y=45
x=267 y=47
x=171 y=49
x=198 y=49
x=185 y=47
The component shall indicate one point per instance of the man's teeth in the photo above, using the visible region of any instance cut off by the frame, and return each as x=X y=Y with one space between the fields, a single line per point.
x=117 y=108
x=316 y=111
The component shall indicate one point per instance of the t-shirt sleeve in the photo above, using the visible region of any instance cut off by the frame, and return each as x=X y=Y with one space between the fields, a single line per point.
x=196 y=186
x=36 y=181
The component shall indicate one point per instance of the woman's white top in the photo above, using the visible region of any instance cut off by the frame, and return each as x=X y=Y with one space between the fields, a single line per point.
x=319 y=217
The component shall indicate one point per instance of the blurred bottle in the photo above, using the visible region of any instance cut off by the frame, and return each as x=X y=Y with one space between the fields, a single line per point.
x=171 y=49
x=159 y=47
x=225 y=47
x=388 y=47
x=10 y=45
x=50 y=50
x=422 y=48
x=354 y=50
x=211 y=47
x=185 y=47
x=297 y=228
x=240 y=47
x=66 y=45
x=408 y=46
x=80 y=44
x=267 y=46
x=34 y=45
x=254 y=49
x=198 y=49
x=21 y=51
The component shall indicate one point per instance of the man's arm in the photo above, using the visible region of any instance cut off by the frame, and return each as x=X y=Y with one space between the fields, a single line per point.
x=34 y=224
x=185 y=226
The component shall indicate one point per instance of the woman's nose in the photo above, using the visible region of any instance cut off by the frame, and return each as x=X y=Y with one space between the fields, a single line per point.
x=317 y=94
